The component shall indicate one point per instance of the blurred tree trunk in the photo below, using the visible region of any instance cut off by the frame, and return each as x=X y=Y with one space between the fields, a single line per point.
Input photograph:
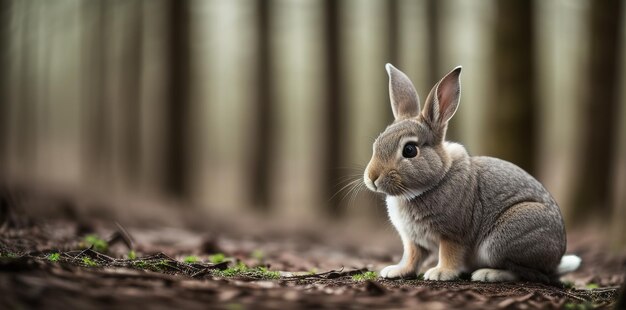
x=393 y=20
x=512 y=112
x=5 y=19
x=93 y=86
x=132 y=64
x=593 y=189
x=619 y=181
x=336 y=126
x=177 y=160
x=262 y=167
x=26 y=105
x=434 y=73
x=435 y=70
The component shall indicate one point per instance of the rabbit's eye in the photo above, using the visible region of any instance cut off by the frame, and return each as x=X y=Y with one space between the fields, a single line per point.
x=409 y=150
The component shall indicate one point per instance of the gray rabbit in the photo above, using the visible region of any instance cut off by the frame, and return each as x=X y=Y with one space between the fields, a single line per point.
x=478 y=214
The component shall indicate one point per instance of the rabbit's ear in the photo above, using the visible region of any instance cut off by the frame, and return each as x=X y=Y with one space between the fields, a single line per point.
x=404 y=100
x=443 y=99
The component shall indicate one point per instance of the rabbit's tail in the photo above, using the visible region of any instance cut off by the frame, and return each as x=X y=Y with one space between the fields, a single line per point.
x=568 y=263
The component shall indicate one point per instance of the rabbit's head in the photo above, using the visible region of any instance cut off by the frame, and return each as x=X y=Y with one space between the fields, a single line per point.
x=411 y=155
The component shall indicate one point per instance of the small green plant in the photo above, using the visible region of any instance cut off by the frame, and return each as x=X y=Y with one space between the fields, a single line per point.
x=140 y=264
x=54 y=257
x=235 y=306
x=89 y=262
x=9 y=255
x=98 y=244
x=568 y=284
x=240 y=269
x=191 y=259
x=312 y=271
x=368 y=275
x=132 y=254
x=592 y=286
x=258 y=254
x=217 y=258
x=265 y=273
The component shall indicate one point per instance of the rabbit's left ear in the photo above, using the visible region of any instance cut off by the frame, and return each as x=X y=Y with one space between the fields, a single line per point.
x=443 y=100
x=404 y=100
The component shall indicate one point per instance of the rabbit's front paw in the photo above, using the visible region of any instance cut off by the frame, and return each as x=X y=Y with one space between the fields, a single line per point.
x=396 y=271
x=441 y=274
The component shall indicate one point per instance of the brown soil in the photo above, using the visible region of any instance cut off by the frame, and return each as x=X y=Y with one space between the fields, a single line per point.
x=313 y=274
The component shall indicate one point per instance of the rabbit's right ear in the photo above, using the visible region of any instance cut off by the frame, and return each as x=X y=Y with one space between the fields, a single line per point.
x=443 y=100
x=404 y=100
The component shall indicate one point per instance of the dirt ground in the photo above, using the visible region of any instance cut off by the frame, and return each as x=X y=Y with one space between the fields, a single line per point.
x=69 y=262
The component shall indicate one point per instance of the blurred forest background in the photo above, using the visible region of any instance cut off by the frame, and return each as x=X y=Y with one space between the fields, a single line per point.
x=268 y=107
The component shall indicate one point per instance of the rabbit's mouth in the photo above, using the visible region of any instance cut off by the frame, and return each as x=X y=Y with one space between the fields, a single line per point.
x=395 y=189
x=383 y=186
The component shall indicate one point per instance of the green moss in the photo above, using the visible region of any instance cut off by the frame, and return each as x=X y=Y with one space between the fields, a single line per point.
x=258 y=254
x=236 y=270
x=159 y=266
x=9 y=255
x=54 y=257
x=265 y=273
x=98 y=244
x=240 y=269
x=89 y=262
x=568 y=284
x=132 y=254
x=191 y=259
x=217 y=258
x=368 y=275
x=592 y=286
x=235 y=306
x=162 y=265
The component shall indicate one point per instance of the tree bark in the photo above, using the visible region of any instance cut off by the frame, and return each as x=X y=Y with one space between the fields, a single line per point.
x=26 y=105
x=593 y=185
x=393 y=28
x=177 y=159
x=132 y=63
x=262 y=148
x=5 y=17
x=512 y=112
x=95 y=146
x=336 y=125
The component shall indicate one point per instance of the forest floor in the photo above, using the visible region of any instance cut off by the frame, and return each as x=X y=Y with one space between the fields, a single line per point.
x=62 y=263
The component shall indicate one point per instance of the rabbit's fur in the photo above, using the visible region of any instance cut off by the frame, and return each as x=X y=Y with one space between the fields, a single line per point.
x=478 y=214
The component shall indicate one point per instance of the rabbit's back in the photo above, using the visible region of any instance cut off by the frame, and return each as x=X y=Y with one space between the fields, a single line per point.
x=502 y=185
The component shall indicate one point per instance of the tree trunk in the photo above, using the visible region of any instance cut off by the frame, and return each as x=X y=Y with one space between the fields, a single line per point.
x=512 y=112
x=177 y=158
x=262 y=148
x=336 y=126
x=5 y=18
x=393 y=28
x=593 y=189
x=132 y=65
x=27 y=102
x=434 y=73
x=93 y=84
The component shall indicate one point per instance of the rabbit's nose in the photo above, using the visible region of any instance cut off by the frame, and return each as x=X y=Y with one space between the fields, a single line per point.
x=374 y=178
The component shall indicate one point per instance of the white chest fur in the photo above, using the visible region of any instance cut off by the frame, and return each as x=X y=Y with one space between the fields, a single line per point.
x=409 y=225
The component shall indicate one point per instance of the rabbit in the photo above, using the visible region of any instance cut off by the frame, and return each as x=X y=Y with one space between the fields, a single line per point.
x=475 y=214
